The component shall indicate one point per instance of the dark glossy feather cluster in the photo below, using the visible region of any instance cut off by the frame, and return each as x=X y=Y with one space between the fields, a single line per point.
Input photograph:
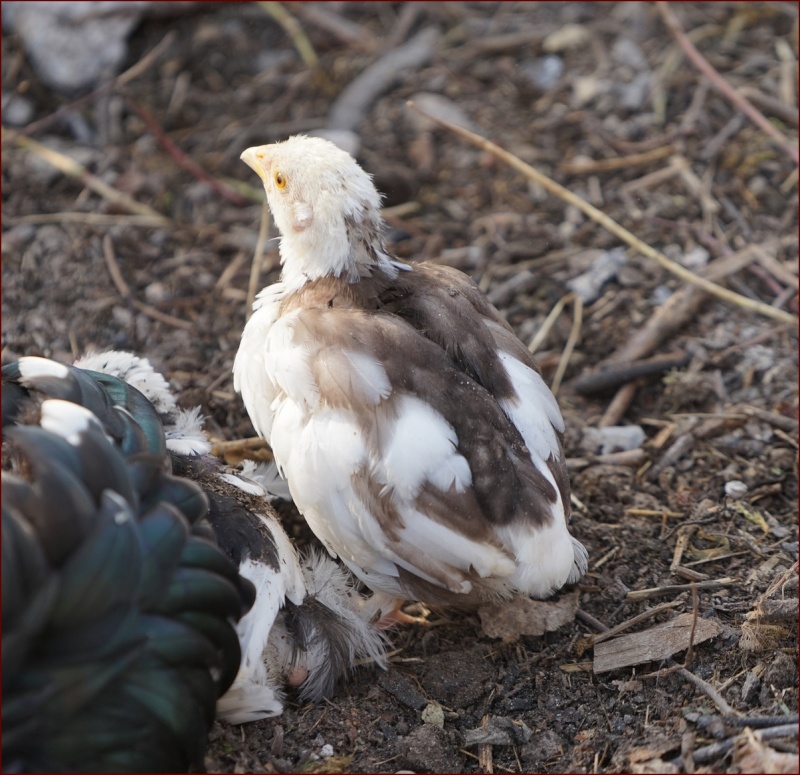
x=119 y=609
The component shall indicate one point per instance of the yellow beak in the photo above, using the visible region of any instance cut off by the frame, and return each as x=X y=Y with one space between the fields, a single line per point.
x=254 y=158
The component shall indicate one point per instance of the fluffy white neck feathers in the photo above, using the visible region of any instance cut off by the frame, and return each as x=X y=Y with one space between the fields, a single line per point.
x=326 y=208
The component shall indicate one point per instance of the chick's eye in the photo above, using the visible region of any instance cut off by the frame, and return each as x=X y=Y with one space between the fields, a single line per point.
x=280 y=179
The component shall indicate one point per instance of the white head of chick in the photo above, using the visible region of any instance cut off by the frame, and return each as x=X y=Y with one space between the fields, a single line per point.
x=416 y=434
x=324 y=205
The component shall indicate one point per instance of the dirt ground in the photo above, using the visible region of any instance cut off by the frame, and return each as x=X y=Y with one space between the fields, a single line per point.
x=600 y=98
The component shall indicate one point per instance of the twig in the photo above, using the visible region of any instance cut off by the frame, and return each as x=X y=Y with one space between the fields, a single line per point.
x=221 y=448
x=651 y=612
x=629 y=457
x=687 y=751
x=181 y=159
x=485 y=751
x=255 y=267
x=157 y=314
x=549 y=321
x=754 y=722
x=293 y=29
x=687 y=662
x=705 y=67
x=609 y=224
x=589 y=166
x=709 y=690
x=113 y=268
x=710 y=752
x=574 y=335
x=619 y=405
x=679 y=308
x=770 y=263
x=615 y=374
x=587 y=618
x=351 y=105
x=94 y=219
x=73 y=169
x=676 y=589
x=784 y=112
x=125 y=291
x=764 y=336
x=788 y=424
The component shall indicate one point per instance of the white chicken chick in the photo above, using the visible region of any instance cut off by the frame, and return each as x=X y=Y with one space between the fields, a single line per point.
x=416 y=434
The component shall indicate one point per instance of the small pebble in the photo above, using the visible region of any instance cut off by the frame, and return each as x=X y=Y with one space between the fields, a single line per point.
x=17 y=110
x=544 y=73
x=735 y=489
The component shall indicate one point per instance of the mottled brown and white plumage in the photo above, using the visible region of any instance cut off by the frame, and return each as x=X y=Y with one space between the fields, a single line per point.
x=416 y=434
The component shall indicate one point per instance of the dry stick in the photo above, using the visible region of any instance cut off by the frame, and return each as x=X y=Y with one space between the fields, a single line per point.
x=551 y=318
x=95 y=219
x=679 y=308
x=710 y=691
x=574 y=335
x=73 y=169
x=352 y=103
x=608 y=223
x=705 y=67
x=114 y=270
x=712 y=751
x=164 y=317
x=616 y=374
x=129 y=75
x=695 y=607
x=589 y=166
x=619 y=405
x=125 y=291
x=220 y=448
x=181 y=159
x=675 y=589
x=255 y=267
x=293 y=29
x=651 y=612
x=485 y=751
x=630 y=457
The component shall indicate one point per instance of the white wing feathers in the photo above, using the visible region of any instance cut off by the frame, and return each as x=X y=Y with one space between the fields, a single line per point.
x=336 y=421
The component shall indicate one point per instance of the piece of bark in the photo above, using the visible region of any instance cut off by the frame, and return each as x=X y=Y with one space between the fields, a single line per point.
x=656 y=644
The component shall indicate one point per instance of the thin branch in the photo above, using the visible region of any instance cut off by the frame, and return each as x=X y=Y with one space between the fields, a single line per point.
x=574 y=335
x=599 y=217
x=255 y=267
x=181 y=159
x=705 y=67
x=113 y=268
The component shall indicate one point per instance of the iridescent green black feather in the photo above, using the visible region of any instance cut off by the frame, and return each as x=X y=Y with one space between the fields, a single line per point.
x=118 y=612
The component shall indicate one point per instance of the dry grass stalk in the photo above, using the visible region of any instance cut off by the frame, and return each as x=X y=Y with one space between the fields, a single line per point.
x=610 y=225
x=255 y=267
x=73 y=169
x=293 y=29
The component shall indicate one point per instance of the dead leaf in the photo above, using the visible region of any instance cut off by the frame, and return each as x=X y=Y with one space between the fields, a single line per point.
x=656 y=644
x=751 y=755
x=523 y=616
